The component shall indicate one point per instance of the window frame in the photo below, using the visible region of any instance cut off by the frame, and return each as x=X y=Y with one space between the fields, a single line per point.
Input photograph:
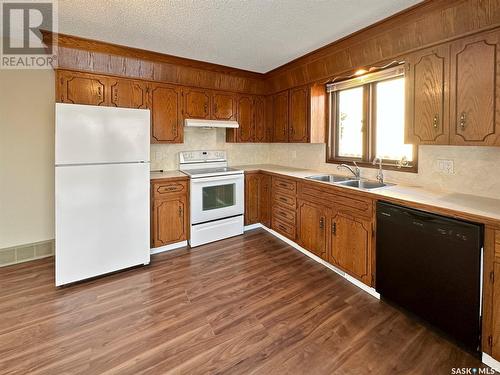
x=368 y=83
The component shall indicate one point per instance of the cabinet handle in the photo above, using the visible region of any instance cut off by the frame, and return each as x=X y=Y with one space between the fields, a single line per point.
x=205 y=106
x=115 y=95
x=334 y=228
x=435 y=121
x=99 y=92
x=216 y=107
x=321 y=223
x=283 y=199
x=180 y=211
x=462 y=120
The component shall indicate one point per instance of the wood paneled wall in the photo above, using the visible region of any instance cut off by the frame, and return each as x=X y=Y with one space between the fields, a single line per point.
x=423 y=25
x=85 y=55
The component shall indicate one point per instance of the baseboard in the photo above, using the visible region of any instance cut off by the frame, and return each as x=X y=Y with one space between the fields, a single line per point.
x=349 y=278
x=172 y=246
x=26 y=252
x=491 y=362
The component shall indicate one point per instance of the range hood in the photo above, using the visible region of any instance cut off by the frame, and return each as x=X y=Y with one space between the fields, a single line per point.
x=195 y=123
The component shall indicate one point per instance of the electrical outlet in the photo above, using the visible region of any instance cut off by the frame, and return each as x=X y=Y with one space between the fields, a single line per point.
x=445 y=166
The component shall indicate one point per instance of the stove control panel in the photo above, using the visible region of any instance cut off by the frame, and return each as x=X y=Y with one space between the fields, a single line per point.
x=201 y=156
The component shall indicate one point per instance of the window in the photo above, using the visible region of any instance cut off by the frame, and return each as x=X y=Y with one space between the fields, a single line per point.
x=367 y=119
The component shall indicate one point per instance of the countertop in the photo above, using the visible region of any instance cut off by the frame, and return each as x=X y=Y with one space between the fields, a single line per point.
x=461 y=205
x=167 y=174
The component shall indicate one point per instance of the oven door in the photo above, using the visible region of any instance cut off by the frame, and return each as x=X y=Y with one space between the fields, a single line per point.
x=217 y=197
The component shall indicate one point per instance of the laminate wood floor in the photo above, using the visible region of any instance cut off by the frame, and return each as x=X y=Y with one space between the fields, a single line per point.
x=249 y=304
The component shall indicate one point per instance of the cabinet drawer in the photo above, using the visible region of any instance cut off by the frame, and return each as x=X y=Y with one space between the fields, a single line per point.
x=169 y=188
x=288 y=230
x=285 y=200
x=285 y=185
x=284 y=214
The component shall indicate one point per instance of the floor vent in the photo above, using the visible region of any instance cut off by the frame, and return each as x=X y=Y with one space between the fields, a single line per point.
x=25 y=253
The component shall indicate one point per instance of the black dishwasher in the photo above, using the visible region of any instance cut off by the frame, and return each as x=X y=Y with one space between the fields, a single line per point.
x=430 y=265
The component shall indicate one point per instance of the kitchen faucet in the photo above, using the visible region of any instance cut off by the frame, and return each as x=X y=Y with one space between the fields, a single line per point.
x=355 y=171
x=380 y=173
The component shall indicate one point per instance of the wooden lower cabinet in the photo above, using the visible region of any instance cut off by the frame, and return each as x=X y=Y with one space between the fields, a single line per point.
x=351 y=245
x=169 y=212
x=312 y=224
x=495 y=334
x=257 y=199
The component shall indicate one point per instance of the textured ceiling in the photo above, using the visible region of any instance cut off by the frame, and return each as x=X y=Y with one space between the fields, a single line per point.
x=256 y=35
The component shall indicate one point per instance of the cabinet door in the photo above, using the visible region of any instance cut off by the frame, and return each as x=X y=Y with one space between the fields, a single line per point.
x=223 y=106
x=265 y=200
x=166 y=121
x=496 y=313
x=280 y=114
x=252 y=197
x=246 y=119
x=169 y=221
x=126 y=93
x=350 y=245
x=299 y=115
x=427 y=98
x=196 y=104
x=259 y=115
x=82 y=89
x=475 y=68
x=312 y=228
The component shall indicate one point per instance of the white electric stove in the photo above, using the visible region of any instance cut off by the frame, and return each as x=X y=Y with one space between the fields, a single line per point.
x=217 y=196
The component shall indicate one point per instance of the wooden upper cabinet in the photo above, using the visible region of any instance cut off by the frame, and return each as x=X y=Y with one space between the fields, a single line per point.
x=166 y=119
x=280 y=117
x=312 y=228
x=79 y=88
x=427 y=96
x=196 y=103
x=350 y=245
x=170 y=220
x=299 y=114
x=127 y=93
x=223 y=106
x=260 y=123
x=246 y=119
x=475 y=101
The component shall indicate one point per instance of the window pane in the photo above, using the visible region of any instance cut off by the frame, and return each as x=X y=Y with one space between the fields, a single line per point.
x=390 y=120
x=350 y=122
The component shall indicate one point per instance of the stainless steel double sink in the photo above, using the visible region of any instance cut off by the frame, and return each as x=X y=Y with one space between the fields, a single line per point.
x=349 y=181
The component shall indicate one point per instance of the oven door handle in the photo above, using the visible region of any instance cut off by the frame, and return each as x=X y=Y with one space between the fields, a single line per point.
x=234 y=177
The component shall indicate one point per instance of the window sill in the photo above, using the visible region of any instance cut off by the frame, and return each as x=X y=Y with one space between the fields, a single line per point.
x=365 y=164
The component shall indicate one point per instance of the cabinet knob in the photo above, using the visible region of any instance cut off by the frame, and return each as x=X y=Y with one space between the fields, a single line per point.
x=435 y=121
x=462 y=121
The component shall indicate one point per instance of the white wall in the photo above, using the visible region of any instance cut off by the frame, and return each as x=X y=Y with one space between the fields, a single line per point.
x=26 y=156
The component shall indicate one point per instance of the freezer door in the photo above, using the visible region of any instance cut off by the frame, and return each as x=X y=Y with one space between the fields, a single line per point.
x=102 y=219
x=88 y=134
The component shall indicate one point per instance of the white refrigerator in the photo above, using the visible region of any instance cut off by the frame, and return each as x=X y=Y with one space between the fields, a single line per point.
x=101 y=190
